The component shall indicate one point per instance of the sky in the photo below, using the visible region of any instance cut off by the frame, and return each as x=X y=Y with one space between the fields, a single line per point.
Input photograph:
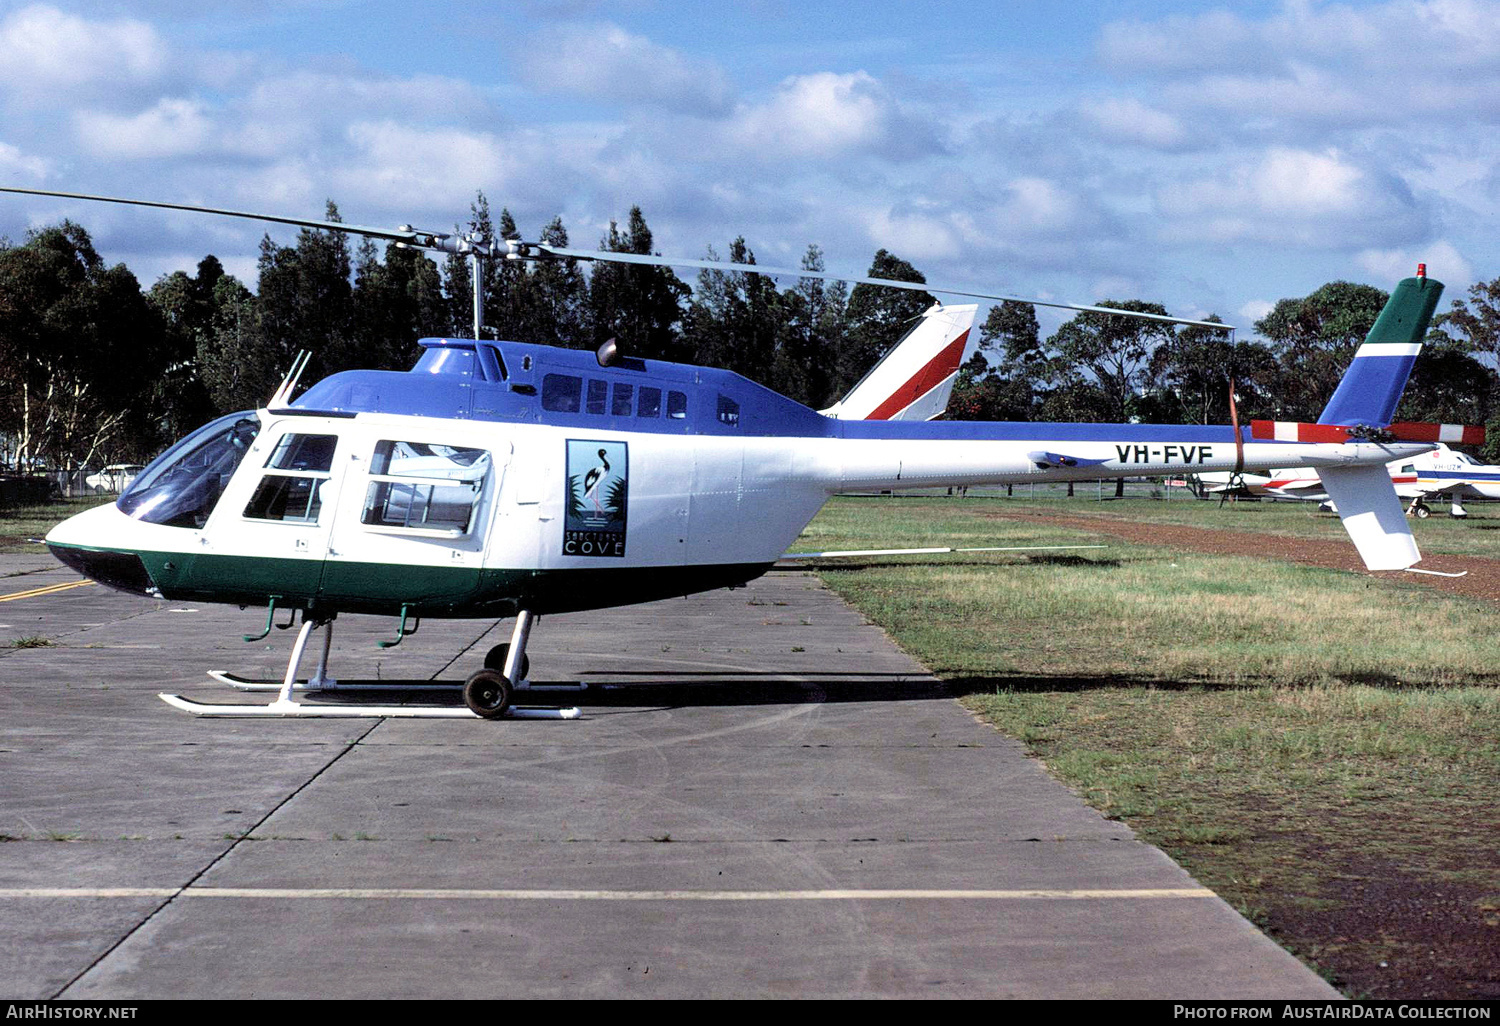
x=1211 y=157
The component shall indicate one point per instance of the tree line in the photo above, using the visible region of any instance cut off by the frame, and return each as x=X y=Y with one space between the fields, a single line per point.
x=95 y=370
x=1096 y=367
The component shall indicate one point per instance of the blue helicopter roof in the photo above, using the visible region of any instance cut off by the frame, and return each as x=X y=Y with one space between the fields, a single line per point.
x=522 y=382
x=525 y=383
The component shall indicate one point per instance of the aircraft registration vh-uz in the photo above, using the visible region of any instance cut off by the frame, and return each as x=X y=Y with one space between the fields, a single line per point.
x=510 y=479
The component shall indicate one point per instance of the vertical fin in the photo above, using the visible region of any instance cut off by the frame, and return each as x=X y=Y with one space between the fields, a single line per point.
x=1371 y=387
x=915 y=378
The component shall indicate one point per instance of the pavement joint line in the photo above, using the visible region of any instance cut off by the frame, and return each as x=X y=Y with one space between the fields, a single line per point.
x=465 y=650
x=543 y=894
x=170 y=895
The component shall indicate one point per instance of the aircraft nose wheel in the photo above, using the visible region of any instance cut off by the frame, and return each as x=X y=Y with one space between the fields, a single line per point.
x=487 y=693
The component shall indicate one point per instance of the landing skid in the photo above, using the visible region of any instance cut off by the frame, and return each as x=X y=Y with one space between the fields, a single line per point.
x=376 y=686
x=320 y=682
x=289 y=708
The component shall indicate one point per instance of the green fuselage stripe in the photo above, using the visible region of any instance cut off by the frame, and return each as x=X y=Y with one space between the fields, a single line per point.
x=384 y=588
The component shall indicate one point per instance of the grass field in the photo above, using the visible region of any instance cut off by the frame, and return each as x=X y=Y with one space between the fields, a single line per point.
x=1321 y=748
x=22 y=527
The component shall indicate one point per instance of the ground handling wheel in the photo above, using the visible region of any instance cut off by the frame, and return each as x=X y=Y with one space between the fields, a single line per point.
x=487 y=693
x=495 y=660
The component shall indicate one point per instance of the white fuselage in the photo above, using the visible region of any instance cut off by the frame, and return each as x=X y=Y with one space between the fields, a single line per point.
x=694 y=501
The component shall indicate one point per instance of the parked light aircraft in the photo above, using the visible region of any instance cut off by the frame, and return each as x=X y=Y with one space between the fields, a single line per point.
x=512 y=479
x=1441 y=473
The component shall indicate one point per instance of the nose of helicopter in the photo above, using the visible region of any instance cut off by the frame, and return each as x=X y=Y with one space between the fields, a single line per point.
x=89 y=543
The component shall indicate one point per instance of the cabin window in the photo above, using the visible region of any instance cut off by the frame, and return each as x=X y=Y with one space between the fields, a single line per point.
x=561 y=393
x=622 y=401
x=650 y=404
x=287 y=497
x=677 y=405
x=729 y=411
x=292 y=488
x=444 y=360
x=304 y=452
x=1410 y=468
x=598 y=401
x=425 y=487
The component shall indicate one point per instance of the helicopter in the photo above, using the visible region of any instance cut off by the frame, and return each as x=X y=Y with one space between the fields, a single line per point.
x=502 y=479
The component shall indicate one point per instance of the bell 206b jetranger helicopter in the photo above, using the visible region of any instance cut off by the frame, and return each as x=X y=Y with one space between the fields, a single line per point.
x=512 y=479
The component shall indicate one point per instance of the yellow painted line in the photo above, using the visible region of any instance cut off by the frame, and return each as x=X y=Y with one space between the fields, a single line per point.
x=443 y=894
x=48 y=590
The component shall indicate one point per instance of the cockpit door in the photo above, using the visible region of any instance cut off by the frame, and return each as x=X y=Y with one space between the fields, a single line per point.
x=279 y=512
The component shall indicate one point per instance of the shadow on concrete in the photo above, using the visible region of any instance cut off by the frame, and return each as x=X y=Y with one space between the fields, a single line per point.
x=682 y=689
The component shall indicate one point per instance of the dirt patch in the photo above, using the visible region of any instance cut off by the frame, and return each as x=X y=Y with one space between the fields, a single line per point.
x=1482 y=582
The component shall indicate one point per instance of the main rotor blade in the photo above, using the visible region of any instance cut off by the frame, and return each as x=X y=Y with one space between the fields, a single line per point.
x=524 y=250
x=393 y=234
x=720 y=265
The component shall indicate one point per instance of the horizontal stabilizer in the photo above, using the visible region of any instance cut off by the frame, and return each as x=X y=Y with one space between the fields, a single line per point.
x=1372 y=514
x=1298 y=431
x=1453 y=434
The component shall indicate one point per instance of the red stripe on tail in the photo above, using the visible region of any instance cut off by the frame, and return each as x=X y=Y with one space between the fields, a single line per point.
x=922 y=382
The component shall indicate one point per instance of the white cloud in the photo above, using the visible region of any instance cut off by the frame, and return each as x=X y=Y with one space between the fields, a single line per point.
x=1327 y=66
x=825 y=115
x=1256 y=309
x=305 y=110
x=1128 y=120
x=1298 y=182
x=174 y=127
x=1293 y=196
x=913 y=234
x=397 y=164
x=14 y=161
x=605 y=62
x=1443 y=260
x=44 y=50
x=1037 y=206
x=1404 y=34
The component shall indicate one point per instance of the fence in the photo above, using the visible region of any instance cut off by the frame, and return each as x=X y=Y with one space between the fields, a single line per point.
x=24 y=491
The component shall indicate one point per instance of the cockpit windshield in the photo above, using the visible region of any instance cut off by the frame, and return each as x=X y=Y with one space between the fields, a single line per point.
x=181 y=486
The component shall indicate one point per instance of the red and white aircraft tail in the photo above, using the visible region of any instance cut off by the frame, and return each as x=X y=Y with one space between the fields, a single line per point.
x=913 y=380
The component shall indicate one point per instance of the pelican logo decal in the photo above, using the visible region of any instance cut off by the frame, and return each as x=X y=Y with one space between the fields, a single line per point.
x=597 y=490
